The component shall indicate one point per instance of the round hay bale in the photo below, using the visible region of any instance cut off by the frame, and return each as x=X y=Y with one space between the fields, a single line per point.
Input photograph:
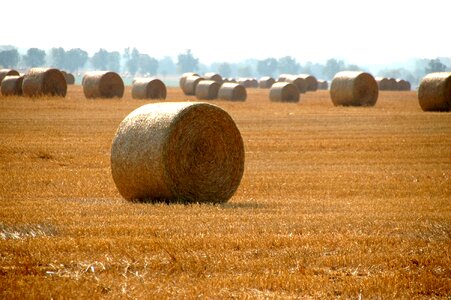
x=299 y=82
x=191 y=82
x=213 y=76
x=402 y=85
x=102 y=84
x=70 y=78
x=232 y=91
x=44 y=81
x=354 y=88
x=284 y=92
x=7 y=72
x=12 y=86
x=148 y=88
x=323 y=85
x=207 y=90
x=246 y=82
x=283 y=77
x=230 y=79
x=177 y=152
x=266 y=82
x=311 y=82
x=434 y=93
x=184 y=76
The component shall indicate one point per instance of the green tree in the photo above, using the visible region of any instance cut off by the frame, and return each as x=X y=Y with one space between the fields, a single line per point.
x=332 y=67
x=34 y=58
x=58 y=58
x=225 y=69
x=75 y=59
x=186 y=62
x=167 y=66
x=244 y=71
x=435 y=65
x=100 y=60
x=148 y=64
x=114 y=61
x=288 y=65
x=267 y=67
x=9 y=58
x=132 y=62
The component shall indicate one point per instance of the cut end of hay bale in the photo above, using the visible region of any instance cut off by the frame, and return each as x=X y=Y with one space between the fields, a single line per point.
x=232 y=91
x=148 y=88
x=354 y=88
x=190 y=152
x=44 y=81
x=191 y=82
x=284 y=92
x=207 y=90
x=434 y=93
x=183 y=78
x=213 y=76
x=12 y=86
x=103 y=84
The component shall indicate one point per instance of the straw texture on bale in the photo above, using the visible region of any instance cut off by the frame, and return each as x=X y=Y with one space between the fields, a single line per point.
x=7 y=72
x=44 y=81
x=207 y=90
x=354 y=88
x=232 y=91
x=102 y=84
x=191 y=82
x=299 y=82
x=148 y=88
x=266 y=82
x=311 y=82
x=12 y=85
x=213 y=76
x=70 y=79
x=183 y=78
x=434 y=93
x=284 y=92
x=177 y=152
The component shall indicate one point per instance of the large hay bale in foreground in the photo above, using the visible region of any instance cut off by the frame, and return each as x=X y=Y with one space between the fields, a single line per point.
x=310 y=81
x=148 y=88
x=354 y=88
x=284 y=92
x=103 y=84
x=191 y=82
x=266 y=82
x=7 y=72
x=183 y=78
x=232 y=91
x=213 y=76
x=434 y=93
x=207 y=90
x=12 y=86
x=44 y=81
x=177 y=151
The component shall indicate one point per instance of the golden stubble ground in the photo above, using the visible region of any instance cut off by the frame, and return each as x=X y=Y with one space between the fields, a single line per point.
x=335 y=202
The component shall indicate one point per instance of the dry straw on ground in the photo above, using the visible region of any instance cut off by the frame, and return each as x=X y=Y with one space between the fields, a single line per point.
x=354 y=88
x=284 y=92
x=213 y=76
x=207 y=90
x=12 y=85
x=148 y=88
x=232 y=91
x=434 y=93
x=177 y=152
x=102 y=84
x=311 y=81
x=7 y=72
x=183 y=78
x=191 y=82
x=266 y=82
x=44 y=81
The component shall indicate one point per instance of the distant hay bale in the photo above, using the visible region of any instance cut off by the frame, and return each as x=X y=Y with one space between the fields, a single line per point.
x=103 y=84
x=311 y=82
x=7 y=72
x=434 y=93
x=354 y=88
x=248 y=82
x=323 y=85
x=70 y=78
x=177 y=152
x=191 y=82
x=12 y=86
x=299 y=82
x=207 y=90
x=232 y=91
x=44 y=81
x=184 y=76
x=284 y=92
x=266 y=82
x=386 y=84
x=148 y=88
x=283 y=77
x=230 y=79
x=402 y=85
x=213 y=76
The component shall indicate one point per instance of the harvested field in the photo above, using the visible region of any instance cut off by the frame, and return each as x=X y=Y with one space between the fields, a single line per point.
x=335 y=202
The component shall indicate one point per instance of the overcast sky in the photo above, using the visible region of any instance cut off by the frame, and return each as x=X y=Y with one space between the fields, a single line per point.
x=360 y=32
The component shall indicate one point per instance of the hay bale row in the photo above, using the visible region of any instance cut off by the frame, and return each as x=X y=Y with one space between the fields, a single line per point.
x=232 y=91
x=213 y=76
x=323 y=85
x=392 y=84
x=284 y=92
x=148 y=88
x=434 y=93
x=299 y=82
x=190 y=83
x=12 y=85
x=230 y=79
x=207 y=90
x=266 y=82
x=248 y=82
x=354 y=88
x=190 y=152
x=183 y=78
x=102 y=84
x=44 y=81
x=7 y=72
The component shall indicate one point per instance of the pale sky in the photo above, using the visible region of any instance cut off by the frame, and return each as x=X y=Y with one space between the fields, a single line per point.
x=360 y=32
